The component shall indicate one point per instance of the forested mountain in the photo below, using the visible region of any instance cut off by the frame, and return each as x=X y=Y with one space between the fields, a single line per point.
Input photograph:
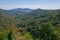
x=29 y=24
x=22 y=9
x=15 y=12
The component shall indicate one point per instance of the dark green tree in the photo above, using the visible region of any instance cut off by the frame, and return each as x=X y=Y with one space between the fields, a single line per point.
x=10 y=35
x=47 y=32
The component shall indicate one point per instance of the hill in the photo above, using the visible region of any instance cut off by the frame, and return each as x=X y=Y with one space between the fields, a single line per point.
x=29 y=24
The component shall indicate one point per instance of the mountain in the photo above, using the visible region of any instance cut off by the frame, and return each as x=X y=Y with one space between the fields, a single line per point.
x=29 y=24
x=22 y=9
x=37 y=13
x=15 y=12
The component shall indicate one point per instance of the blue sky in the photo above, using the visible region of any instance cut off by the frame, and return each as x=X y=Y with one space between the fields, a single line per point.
x=34 y=4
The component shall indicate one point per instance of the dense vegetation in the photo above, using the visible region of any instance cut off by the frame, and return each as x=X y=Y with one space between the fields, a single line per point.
x=36 y=24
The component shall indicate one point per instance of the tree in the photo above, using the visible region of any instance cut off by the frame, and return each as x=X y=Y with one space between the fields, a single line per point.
x=10 y=35
x=47 y=32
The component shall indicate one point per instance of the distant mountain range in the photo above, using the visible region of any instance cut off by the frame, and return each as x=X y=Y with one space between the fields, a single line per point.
x=16 y=11
x=22 y=9
x=26 y=12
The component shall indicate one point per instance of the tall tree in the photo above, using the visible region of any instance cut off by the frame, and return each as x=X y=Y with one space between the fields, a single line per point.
x=10 y=35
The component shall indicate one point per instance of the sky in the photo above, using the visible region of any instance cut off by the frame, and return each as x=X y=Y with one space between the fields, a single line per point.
x=32 y=4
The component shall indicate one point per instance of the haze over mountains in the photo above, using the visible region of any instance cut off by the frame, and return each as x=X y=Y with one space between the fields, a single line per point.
x=20 y=10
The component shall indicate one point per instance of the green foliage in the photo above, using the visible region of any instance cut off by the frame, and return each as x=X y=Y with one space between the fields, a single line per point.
x=6 y=35
x=11 y=35
x=35 y=25
x=47 y=32
x=28 y=36
x=3 y=36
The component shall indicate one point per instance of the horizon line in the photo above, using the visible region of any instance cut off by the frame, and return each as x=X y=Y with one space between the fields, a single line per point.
x=32 y=8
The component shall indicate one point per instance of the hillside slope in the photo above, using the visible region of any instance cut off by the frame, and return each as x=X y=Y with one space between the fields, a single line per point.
x=38 y=24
